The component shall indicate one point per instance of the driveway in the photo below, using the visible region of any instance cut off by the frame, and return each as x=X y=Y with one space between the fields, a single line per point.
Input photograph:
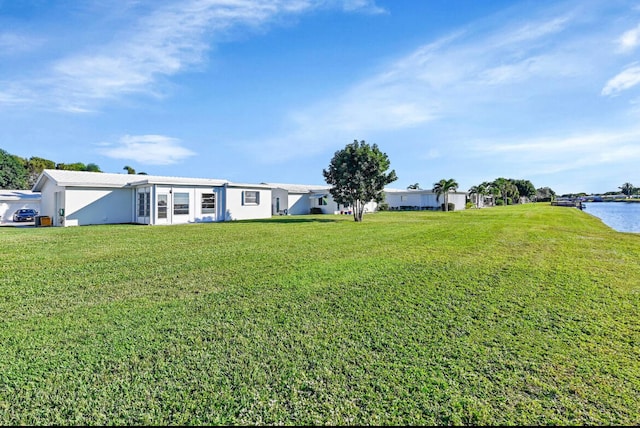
x=10 y=223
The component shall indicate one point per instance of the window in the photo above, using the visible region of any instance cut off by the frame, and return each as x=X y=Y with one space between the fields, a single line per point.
x=251 y=197
x=181 y=203
x=208 y=203
x=322 y=200
x=144 y=204
x=162 y=206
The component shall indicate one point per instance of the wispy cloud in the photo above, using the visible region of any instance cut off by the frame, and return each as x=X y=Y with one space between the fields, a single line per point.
x=147 y=149
x=626 y=79
x=447 y=79
x=169 y=40
x=12 y=43
x=566 y=152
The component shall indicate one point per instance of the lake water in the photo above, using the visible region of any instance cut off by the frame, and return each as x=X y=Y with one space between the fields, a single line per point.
x=620 y=216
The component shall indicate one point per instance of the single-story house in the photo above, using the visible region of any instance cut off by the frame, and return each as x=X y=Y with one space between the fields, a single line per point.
x=297 y=199
x=419 y=199
x=13 y=200
x=73 y=198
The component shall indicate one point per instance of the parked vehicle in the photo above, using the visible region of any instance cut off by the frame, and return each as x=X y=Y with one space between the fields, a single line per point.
x=25 y=214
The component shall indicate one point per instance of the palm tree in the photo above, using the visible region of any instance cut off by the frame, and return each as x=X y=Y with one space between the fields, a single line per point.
x=129 y=170
x=627 y=189
x=480 y=191
x=443 y=187
x=504 y=188
x=415 y=186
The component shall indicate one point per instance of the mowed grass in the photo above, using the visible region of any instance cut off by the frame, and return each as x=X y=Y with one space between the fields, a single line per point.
x=520 y=315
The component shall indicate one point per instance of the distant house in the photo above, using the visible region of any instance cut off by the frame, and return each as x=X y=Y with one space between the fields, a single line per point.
x=422 y=199
x=73 y=198
x=296 y=199
x=13 y=200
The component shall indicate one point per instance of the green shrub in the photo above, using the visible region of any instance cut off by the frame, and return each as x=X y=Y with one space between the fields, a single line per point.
x=383 y=206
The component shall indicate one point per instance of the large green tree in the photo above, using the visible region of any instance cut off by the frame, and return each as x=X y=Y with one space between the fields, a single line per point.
x=505 y=189
x=357 y=175
x=545 y=194
x=443 y=187
x=35 y=166
x=13 y=174
x=76 y=166
x=525 y=188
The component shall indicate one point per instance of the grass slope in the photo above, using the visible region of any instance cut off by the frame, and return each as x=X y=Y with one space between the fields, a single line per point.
x=510 y=315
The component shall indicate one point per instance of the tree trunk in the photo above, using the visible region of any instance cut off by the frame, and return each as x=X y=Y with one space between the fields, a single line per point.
x=357 y=210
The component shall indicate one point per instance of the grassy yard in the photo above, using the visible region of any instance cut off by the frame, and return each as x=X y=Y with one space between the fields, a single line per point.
x=509 y=315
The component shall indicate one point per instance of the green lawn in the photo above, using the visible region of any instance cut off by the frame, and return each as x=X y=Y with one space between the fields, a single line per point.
x=508 y=315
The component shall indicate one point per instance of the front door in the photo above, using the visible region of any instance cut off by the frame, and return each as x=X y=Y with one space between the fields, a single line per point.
x=163 y=211
x=143 y=205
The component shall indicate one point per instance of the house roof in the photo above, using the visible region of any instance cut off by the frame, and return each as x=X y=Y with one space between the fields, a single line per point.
x=417 y=191
x=103 y=179
x=19 y=195
x=299 y=188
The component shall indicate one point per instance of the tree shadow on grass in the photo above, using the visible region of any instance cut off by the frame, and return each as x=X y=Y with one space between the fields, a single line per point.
x=278 y=220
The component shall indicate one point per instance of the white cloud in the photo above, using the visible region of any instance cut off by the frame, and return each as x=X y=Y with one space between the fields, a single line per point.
x=367 y=6
x=445 y=79
x=565 y=153
x=147 y=149
x=627 y=79
x=169 y=40
x=629 y=40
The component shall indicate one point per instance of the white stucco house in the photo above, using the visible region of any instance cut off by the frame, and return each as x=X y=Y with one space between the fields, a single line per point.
x=297 y=199
x=73 y=198
x=13 y=200
x=422 y=199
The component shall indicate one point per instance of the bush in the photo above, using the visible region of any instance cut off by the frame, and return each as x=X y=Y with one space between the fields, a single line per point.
x=451 y=206
x=316 y=210
x=468 y=205
x=499 y=202
x=383 y=206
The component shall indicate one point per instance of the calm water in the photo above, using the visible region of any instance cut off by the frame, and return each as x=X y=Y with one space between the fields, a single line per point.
x=621 y=216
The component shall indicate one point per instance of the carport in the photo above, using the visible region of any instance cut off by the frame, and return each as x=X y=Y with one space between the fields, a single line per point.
x=13 y=200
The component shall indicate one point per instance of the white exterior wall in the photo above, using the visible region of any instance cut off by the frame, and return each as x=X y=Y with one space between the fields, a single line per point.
x=50 y=193
x=83 y=206
x=299 y=203
x=235 y=209
x=334 y=208
x=195 y=214
x=279 y=202
x=459 y=200
x=397 y=200
x=424 y=200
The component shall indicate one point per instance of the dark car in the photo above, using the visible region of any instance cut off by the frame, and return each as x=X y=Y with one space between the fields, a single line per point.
x=25 y=215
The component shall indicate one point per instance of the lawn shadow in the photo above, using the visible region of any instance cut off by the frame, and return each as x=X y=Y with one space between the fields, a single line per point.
x=284 y=219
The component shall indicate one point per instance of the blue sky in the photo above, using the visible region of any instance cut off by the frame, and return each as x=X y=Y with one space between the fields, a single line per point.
x=266 y=91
